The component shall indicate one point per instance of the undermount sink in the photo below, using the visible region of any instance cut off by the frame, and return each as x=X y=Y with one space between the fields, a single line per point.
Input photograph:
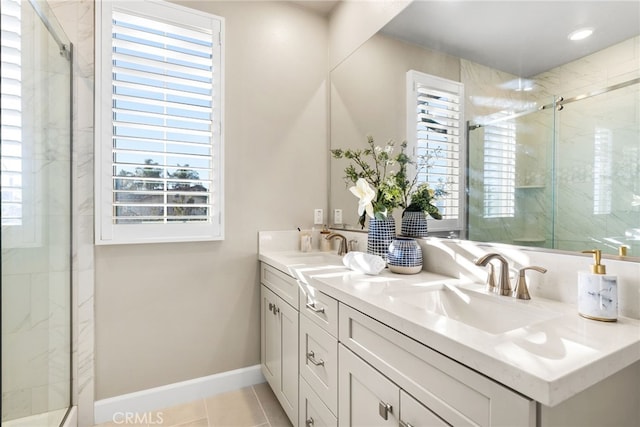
x=491 y=313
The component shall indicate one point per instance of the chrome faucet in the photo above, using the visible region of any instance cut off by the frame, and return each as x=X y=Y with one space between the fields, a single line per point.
x=342 y=248
x=504 y=286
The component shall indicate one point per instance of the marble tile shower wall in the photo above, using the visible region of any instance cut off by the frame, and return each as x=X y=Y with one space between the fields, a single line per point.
x=77 y=19
x=606 y=126
x=35 y=261
x=489 y=93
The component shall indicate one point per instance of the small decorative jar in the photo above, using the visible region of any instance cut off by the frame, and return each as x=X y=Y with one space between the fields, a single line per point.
x=414 y=224
x=404 y=256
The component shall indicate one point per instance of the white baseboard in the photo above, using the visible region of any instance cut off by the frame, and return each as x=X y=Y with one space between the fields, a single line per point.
x=169 y=395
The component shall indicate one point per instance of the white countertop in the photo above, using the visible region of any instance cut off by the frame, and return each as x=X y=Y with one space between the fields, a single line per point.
x=548 y=361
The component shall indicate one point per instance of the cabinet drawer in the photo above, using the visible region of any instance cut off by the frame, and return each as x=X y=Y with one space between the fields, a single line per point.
x=312 y=411
x=412 y=413
x=286 y=287
x=319 y=362
x=457 y=394
x=320 y=308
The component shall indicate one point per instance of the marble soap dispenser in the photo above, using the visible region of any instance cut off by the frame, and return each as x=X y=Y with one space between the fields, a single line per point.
x=597 y=292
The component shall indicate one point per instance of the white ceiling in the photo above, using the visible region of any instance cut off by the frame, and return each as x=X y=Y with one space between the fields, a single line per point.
x=521 y=37
x=323 y=7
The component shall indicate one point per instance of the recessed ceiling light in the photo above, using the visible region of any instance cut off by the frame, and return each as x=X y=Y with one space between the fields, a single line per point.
x=580 y=34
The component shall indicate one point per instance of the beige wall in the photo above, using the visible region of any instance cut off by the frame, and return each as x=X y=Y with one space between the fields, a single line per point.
x=354 y=21
x=172 y=312
x=361 y=105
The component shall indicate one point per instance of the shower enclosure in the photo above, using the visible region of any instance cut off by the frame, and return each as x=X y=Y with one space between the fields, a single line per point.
x=36 y=216
x=565 y=176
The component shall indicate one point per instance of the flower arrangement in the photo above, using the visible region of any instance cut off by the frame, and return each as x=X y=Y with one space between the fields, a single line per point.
x=375 y=183
x=381 y=181
x=422 y=200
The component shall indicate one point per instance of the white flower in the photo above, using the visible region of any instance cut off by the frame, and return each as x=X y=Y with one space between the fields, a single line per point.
x=363 y=191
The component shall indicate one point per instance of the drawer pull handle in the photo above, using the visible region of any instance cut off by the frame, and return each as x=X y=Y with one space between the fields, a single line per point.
x=312 y=306
x=384 y=409
x=403 y=424
x=309 y=422
x=276 y=310
x=271 y=306
x=311 y=357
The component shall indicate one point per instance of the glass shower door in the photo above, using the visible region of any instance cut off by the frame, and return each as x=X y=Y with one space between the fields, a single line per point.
x=598 y=172
x=510 y=179
x=36 y=216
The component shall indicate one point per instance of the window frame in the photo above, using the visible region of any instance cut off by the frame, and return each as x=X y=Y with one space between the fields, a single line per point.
x=413 y=78
x=107 y=232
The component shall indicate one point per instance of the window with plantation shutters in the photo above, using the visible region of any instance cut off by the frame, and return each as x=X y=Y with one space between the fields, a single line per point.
x=21 y=191
x=435 y=136
x=159 y=113
x=499 y=173
x=602 y=171
x=11 y=115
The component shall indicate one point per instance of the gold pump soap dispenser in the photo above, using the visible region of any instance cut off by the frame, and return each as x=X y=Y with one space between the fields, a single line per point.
x=597 y=292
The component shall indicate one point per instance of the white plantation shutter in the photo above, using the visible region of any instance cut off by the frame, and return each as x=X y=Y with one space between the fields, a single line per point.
x=603 y=171
x=11 y=114
x=161 y=136
x=500 y=168
x=435 y=130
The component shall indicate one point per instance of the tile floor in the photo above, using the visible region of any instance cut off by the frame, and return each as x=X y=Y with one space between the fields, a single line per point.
x=254 y=406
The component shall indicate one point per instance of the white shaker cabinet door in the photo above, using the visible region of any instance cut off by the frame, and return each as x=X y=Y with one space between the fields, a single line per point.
x=367 y=398
x=289 y=368
x=279 y=350
x=270 y=348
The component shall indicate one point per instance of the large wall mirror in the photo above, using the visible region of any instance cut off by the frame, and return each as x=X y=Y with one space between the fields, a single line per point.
x=552 y=138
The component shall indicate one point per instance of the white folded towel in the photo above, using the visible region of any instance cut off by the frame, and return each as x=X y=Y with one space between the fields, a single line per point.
x=364 y=263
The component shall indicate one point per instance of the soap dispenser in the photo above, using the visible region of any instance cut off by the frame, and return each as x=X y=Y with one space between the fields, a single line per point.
x=597 y=292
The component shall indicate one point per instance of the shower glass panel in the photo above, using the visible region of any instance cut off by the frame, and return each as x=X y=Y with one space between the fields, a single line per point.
x=510 y=181
x=36 y=216
x=598 y=172
x=566 y=176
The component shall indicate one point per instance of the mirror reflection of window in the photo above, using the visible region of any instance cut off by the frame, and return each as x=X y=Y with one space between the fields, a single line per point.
x=434 y=136
x=602 y=171
x=500 y=168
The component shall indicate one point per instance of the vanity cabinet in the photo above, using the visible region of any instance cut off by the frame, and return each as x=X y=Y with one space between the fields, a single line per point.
x=371 y=399
x=318 y=358
x=279 y=337
x=380 y=366
x=333 y=356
